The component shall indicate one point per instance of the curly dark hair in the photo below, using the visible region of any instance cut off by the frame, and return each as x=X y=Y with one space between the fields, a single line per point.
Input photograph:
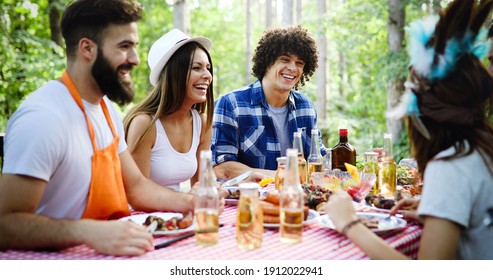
x=291 y=40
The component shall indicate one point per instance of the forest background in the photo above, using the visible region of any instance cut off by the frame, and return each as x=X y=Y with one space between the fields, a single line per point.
x=362 y=53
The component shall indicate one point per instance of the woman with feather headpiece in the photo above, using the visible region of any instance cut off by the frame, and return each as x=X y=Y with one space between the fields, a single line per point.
x=447 y=103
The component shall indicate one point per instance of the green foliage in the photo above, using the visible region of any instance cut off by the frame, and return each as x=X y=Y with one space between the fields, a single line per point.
x=158 y=19
x=359 y=64
x=358 y=88
x=28 y=57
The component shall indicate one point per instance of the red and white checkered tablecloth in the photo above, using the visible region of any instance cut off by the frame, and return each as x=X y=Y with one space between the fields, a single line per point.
x=318 y=243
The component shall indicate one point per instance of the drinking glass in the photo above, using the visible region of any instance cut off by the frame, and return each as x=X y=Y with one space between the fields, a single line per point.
x=249 y=219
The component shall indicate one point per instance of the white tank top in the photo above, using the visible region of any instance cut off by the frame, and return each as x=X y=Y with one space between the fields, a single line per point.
x=168 y=167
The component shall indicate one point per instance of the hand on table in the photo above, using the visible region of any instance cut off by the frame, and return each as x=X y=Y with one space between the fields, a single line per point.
x=221 y=192
x=407 y=208
x=118 y=238
x=257 y=177
x=340 y=209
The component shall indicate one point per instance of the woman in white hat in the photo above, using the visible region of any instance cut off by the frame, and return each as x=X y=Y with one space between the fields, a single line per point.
x=166 y=131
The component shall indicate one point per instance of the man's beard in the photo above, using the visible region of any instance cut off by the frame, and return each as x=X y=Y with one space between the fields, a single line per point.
x=117 y=90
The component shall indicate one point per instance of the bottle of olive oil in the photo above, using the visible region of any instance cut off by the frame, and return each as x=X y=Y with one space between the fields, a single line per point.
x=371 y=166
x=387 y=173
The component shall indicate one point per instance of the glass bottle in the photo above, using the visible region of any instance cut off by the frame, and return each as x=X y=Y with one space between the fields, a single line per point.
x=343 y=152
x=206 y=203
x=315 y=159
x=387 y=176
x=371 y=166
x=279 y=179
x=328 y=159
x=291 y=201
x=249 y=218
x=302 y=166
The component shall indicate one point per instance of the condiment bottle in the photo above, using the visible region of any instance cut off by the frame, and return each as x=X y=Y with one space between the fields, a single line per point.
x=343 y=152
x=302 y=166
x=371 y=166
x=249 y=218
x=387 y=176
x=315 y=159
x=206 y=203
x=291 y=201
x=279 y=179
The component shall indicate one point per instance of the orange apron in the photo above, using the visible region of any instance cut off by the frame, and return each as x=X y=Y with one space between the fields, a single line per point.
x=107 y=199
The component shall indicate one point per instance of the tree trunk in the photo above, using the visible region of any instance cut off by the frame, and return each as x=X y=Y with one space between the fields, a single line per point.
x=299 y=12
x=342 y=72
x=181 y=16
x=437 y=7
x=322 y=62
x=395 y=42
x=247 y=40
x=287 y=12
x=268 y=14
x=56 y=32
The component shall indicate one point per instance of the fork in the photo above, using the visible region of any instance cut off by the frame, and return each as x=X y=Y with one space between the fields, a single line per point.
x=152 y=227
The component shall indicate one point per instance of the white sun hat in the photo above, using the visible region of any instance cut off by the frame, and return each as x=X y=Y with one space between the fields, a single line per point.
x=165 y=47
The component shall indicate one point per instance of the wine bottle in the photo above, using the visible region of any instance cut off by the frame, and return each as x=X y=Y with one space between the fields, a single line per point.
x=343 y=152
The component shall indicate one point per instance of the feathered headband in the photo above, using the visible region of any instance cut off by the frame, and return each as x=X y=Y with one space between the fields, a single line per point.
x=432 y=65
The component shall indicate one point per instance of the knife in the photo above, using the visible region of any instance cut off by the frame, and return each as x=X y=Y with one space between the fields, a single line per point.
x=171 y=241
x=237 y=179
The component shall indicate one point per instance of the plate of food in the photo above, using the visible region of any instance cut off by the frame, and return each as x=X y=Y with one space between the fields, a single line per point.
x=374 y=221
x=273 y=221
x=234 y=195
x=168 y=223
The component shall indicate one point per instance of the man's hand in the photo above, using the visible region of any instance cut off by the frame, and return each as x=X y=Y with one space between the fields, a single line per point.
x=117 y=237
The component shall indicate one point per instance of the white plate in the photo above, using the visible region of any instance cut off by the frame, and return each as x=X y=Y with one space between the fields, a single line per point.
x=140 y=219
x=401 y=223
x=312 y=217
x=356 y=206
x=232 y=201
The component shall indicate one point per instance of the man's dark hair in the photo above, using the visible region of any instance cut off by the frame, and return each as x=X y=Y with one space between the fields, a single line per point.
x=89 y=18
x=292 y=40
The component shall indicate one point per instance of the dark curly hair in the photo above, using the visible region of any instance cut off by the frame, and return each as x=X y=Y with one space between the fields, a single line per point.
x=292 y=40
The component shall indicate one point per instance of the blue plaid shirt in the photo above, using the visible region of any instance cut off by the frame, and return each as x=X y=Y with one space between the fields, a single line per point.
x=243 y=131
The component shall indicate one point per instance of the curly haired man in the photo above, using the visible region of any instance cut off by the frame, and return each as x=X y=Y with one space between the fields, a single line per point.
x=254 y=125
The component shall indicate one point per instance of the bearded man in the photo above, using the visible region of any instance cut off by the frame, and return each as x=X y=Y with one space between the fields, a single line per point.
x=67 y=175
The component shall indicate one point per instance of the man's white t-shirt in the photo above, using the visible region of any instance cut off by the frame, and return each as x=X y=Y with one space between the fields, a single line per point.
x=47 y=138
